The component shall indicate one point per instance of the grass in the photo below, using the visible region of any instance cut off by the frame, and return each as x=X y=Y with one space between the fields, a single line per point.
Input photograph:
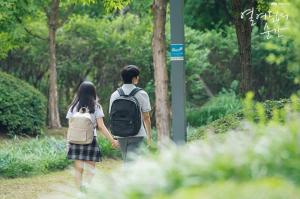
x=25 y=156
x=33 y=187
x=33 y=165
x=233 y=120
x=217 y=107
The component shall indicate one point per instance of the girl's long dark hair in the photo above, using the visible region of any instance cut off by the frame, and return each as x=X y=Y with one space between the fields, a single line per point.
x=86 y=97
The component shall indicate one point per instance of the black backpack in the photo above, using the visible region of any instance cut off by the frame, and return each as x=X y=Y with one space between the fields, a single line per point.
x=125 y=114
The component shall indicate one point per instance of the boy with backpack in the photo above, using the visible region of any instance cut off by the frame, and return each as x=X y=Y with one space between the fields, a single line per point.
x=129 y=113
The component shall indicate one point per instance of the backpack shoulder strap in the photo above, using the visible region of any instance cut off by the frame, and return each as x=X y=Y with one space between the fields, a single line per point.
x=135 y=91
x=121 y=92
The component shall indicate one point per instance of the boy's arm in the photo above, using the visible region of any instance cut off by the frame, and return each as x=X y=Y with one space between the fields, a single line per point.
x=147 y=122
x=106 y=133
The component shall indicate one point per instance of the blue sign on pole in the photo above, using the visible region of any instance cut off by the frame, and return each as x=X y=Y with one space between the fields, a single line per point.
x=177 y=52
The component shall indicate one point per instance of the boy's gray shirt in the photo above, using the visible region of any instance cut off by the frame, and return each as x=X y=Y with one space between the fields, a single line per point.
x=143 y=100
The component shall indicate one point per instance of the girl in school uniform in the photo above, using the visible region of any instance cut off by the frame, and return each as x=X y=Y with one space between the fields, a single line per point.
x=86 y=156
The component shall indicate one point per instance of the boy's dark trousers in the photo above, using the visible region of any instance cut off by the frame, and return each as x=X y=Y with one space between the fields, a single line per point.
x=130 y=146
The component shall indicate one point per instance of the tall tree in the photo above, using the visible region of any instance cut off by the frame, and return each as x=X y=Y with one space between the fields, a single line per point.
x=54 y=21
x=243 y=31
x=162 y=108
x=52 y=16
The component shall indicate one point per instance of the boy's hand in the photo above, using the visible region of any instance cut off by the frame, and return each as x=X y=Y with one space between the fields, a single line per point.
x=115 y=144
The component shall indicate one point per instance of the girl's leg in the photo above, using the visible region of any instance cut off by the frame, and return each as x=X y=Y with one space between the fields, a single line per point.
x=78 y=172
x=90 y=171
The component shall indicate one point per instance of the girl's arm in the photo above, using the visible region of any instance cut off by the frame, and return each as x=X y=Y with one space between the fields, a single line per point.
x=106 y=133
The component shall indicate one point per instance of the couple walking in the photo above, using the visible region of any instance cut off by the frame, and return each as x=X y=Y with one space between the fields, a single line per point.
x=86 y=155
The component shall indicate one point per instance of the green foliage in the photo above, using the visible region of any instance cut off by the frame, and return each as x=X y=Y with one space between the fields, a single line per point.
x=271 y=59
x=249 y=110
x=210 y=56
x=82 y=1
x=115 y=4
x=141 y=8
x=293 y=30
x=212 y=59
x=263 y=112
x=217 y=107
x=222 y=125
x=20 y=158
x=107 y=150
x=36 y=156
x=266 y=111
x=22 y=107
x=267 y=188
x=203 y=14
x=121 y=41
x=247 y=155
x=94 y=45
x=6 y=44
x=263 y=6
x=10 y=35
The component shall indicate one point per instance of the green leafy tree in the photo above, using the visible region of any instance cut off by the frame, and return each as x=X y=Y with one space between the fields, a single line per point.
x=10 y=30
x=57 y=13
x=292 y=8
x=207 y=14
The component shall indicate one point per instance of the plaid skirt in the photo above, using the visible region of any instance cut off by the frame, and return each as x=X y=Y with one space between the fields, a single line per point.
x=89 y=152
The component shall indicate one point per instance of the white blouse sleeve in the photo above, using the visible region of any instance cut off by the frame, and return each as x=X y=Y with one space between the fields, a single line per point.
x=69 y=114
x=98 y=111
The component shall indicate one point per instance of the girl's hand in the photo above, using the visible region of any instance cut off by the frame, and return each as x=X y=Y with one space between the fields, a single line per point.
x=115 y=144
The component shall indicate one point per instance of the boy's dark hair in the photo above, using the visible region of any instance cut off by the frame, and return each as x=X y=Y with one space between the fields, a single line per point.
x=129 y=72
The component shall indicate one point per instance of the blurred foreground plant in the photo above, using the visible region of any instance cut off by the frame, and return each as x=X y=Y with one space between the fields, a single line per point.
x=267 y=149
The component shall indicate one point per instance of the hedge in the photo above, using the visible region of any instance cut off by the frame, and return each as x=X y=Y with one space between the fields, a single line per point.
x=22 y=107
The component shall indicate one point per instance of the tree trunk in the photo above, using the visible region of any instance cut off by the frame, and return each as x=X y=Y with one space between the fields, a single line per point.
x=243 y=32
x=54 y=120
x=162 y=107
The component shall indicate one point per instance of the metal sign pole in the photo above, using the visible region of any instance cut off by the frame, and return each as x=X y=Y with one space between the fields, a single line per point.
x=177 y=72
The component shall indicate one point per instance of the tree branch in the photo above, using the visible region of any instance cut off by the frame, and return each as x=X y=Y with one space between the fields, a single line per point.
x=29 y=31
x=66 y=16
x=206 y=88
x=224 y=4
x=34 y=35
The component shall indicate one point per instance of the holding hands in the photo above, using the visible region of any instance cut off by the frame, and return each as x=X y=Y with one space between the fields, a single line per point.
x=115 y=144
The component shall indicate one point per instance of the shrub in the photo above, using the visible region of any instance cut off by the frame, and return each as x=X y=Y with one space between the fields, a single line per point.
x=216 y=108
x=22 y=107
x=274 y=188
x=107 y=150
x=26 y=157
x=233 y=120
x=222 y=125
